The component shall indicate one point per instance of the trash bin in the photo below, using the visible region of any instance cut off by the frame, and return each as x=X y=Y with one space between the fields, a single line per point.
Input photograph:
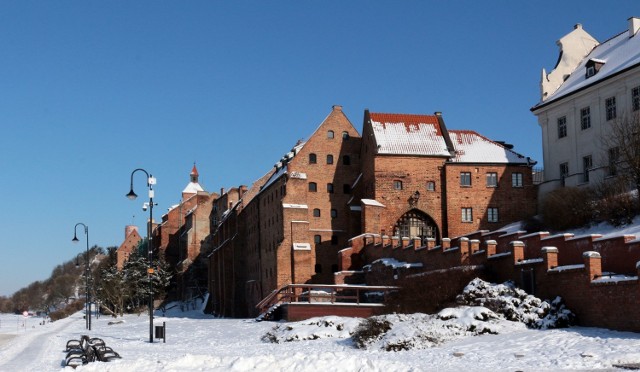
x=160 y=331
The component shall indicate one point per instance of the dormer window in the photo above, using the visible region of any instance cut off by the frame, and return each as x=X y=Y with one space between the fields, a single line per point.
x=593 y=66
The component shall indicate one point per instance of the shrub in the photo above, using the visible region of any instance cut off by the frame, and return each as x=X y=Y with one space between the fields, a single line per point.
x=370 y=330
x=71 y=308
x=568 y=207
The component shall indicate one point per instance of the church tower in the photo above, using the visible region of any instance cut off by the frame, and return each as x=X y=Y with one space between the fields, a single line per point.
x=193 y=187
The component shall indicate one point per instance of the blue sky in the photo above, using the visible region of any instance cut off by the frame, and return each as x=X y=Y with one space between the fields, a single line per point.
x=91 y=90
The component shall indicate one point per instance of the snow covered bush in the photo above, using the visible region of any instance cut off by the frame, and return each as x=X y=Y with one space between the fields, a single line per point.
x=312 y=329
x=516 y=305
x=370 y=330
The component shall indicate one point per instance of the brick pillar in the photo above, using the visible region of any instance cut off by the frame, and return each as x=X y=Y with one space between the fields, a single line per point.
x=377 y=239
x=405 y=242
x=446 y=243
x=592 y=264
x=491 y=247
x=464 y=245
x=550 y=257
x=385 y=240
x=395 y=242
x=431 y=243
x=417 y=243
x=368 y=239
x=475 y=245
x=517 y=250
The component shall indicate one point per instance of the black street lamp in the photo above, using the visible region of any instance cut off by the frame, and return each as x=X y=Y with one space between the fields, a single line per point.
x=132 y=195
x=86 y=283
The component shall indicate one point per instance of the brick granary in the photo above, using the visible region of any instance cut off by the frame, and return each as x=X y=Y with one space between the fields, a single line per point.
x=406 y=176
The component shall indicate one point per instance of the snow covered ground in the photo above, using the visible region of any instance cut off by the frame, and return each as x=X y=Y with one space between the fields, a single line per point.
x=197 y=342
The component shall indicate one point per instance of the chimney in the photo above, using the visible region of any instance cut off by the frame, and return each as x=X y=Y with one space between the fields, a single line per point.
x=337 y=108
x=634 y=26
x=221 y=191
x=577 y=26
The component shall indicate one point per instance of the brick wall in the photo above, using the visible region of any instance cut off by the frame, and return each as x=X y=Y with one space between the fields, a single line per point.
x=582 y=270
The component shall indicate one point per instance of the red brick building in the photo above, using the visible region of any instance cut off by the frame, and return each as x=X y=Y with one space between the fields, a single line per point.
x=421 y=180
x=131 y=240
x=406 y=176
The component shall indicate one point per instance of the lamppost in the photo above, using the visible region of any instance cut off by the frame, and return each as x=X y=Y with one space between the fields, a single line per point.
x=86 y=283
x=132 y=195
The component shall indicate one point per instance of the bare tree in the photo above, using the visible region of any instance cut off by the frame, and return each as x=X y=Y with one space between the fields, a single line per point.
x=622 y=146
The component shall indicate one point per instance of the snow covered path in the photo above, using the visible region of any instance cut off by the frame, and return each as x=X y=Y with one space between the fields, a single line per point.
x=31 y=349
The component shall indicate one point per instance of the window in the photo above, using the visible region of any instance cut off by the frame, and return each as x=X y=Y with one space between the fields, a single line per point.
x=492 y=179
x=564 y=172
x=329 y=159
x=313 y=187
x=492 y=214
x=591 y=70
x=635 y=99
x=585 y=118
x=334 y=239
x=330 y=188
x=334 y=213
x=431 y=186
x=345 y=135
x=610 y=108
x=346 y=189
x=317 y=239
x=614 y=155
x=316 y=212
x=516 y=179
x=312 y=158
x=397 y=185
x=467 y=214
x=562 y=127
x=465 y=178
x=330 y=134
x=346 y=160
x=587 y=163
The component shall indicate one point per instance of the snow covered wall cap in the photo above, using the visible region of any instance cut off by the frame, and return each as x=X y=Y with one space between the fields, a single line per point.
x=550 y=249
x=591 y=254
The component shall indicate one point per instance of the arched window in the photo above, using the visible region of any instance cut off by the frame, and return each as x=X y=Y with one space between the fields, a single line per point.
x=345 y=135
x=313 y=187
x=330 y=188
x=330 y=134
x=334 y=213
x=316 y=212
x=312 y=158
x=317 y=239
x=329 y=159
x=416 y=224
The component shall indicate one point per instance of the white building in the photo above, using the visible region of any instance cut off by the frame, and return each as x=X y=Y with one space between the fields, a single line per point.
x=592 y=84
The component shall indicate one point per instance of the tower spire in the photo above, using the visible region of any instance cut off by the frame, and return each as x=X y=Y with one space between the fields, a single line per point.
x=194 y=173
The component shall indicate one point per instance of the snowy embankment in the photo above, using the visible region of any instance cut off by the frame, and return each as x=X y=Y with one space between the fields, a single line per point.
x=473 y=336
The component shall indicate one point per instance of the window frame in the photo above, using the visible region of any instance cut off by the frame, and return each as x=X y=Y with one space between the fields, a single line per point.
x=397 y=185
x=330 y=188
x=329 y=159
x=610 y=108
x=465 y=176
x=431 y=186
x=517 y=180
x=562 y=127
x=313 y=158
x=493 y=214
x=587 y=165
x=585 y=118
x=492 y=179
x=331 y=134
x=317 y=212
x=345 y=135
x=334 y=213
x=313 y=187
x=467 y=215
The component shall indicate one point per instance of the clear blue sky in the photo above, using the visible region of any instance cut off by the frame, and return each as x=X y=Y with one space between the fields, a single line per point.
x=90 y=90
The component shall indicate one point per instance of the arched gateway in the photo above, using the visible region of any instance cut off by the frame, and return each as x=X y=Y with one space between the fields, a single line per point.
x=416 y=223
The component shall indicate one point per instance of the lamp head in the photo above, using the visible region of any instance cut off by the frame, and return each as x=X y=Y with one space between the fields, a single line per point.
x=132 y=195
x=75 y=238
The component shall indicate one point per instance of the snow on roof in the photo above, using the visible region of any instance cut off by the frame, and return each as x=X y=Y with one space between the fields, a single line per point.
x=192 y=188
x=472 y=147
x=618 y=53
x=371 y=202
x=403 y=134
